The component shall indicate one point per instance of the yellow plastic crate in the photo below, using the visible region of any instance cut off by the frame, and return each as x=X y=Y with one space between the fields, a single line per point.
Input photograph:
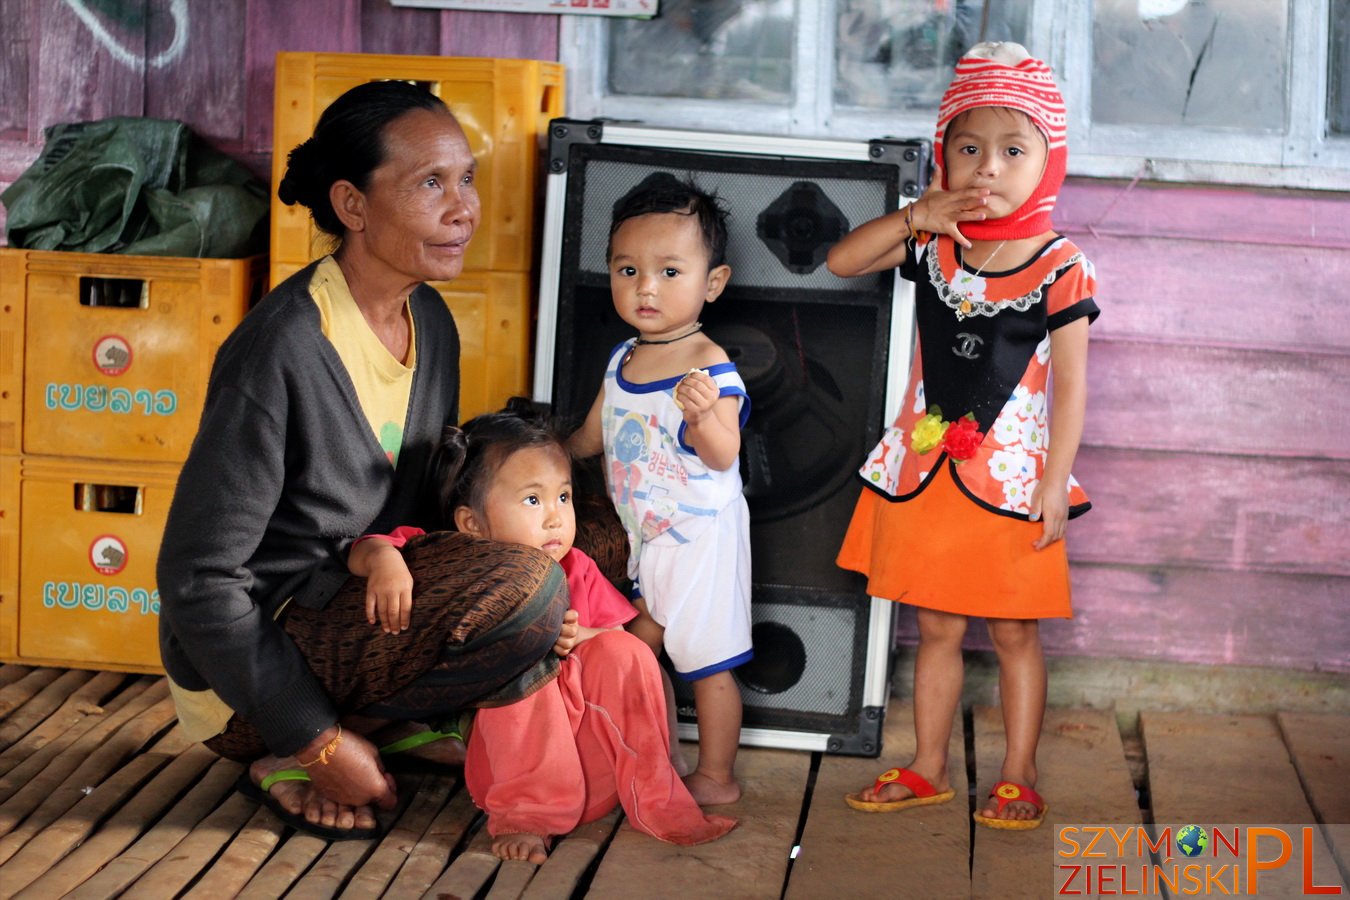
x=493 y=311
x=504 y=106
x=9 y=557
x=87 y=536
x=107 y=356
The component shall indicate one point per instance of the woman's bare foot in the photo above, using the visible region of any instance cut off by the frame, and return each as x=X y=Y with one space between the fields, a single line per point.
x=708 y=791
x=445 y=752
x=529 y=847
x=897 y=791
x=299 y=798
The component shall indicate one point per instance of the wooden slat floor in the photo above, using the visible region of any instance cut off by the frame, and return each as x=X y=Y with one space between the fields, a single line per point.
x=102 y=796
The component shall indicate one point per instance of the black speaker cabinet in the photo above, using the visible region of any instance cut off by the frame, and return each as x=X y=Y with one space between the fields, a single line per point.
x=824 y=360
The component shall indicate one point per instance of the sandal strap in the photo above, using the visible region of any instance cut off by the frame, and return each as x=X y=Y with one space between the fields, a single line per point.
x=921 y=787
x=458 y=730
x=1006 y=792
x=281 y=775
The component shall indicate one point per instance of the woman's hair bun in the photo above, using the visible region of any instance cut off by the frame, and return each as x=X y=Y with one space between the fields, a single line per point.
x=297 y=185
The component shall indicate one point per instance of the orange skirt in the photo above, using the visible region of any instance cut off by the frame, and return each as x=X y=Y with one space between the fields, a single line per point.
x=941 y=551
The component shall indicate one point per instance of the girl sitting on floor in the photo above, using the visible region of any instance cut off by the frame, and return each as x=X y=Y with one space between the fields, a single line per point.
x=597 y=735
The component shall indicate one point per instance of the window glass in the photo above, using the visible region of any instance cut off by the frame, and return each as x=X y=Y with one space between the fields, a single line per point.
x=1338 y=75
x=899 y=54
x=714 y=49
x=1206 y=63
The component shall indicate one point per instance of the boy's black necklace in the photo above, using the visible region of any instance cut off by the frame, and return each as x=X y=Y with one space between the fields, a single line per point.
x=637 y=342
x=698 y=326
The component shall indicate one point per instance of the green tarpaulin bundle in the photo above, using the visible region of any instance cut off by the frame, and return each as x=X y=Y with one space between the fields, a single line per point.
x=148 y=187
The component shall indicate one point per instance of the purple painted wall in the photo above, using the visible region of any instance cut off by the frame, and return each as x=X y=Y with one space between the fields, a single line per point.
x=1217 y=448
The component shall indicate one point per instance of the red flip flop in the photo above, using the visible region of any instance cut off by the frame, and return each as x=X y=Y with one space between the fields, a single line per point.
x=924 y=793
x=1006 y=792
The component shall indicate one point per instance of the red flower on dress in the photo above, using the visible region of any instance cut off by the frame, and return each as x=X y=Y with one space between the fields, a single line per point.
x=963 y=438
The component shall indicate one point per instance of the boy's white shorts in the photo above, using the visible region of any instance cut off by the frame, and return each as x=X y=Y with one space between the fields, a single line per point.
x=700 y=593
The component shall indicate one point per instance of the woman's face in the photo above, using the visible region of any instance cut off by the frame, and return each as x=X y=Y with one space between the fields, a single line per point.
x=421 y=204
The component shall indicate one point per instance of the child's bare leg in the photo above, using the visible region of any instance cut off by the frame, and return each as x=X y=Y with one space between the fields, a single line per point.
x=938 y=674
x=645 y=628
x=717 y=701
x=1021 y=684
x=677 y=760
x=529 y=847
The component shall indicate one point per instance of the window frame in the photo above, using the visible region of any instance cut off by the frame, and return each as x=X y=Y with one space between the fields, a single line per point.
x=1304 y=156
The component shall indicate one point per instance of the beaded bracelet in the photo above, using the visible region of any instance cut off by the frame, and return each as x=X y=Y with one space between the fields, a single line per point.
x=328 y=750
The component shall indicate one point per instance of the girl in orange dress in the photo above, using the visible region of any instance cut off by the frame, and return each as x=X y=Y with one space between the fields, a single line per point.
x=967 y=497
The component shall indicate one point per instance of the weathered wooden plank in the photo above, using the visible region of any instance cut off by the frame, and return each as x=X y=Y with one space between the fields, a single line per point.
x=16 y=694
x=428 y=796
x=195 y=55
x=78 y=706
x=499 y=35
x=82 y=704
x=37 y=710
x=229 y=872
x=1230 y=770
x=401 y=30
x=11 y=672
x=338 y=29
x=1207 y=509
x=327 y=876
x=751 y=861
x=15 y=63
x=878 y=854
x=513 y=877
x=1281 y=296
x=1194 y=615
x=1320 y=747
x=1083 y=778
x=103 y=779
x=51 y=843
x=163 y=835
x=89 y=69
x=284 y=867
x=428 y=858
x=1217 y=399
x=469 y=872
x=570 y=857
x=171 y=874
x=1203 y=616
x=1299 y=218
x=19 y=765
x=51 y=790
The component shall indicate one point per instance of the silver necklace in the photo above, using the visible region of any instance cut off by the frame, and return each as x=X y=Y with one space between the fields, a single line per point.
x=966 y=305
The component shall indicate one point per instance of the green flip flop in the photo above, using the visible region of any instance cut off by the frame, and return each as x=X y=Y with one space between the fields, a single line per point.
x=261 y=794
x=395 y=754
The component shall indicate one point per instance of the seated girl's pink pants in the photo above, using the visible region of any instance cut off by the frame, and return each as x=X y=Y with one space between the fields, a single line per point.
x=594 y=737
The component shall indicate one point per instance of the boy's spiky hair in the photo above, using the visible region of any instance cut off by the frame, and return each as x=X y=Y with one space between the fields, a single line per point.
x=662 y=192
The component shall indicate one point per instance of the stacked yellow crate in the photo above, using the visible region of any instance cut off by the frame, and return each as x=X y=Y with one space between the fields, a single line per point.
x=103 y=368
x=504 y=106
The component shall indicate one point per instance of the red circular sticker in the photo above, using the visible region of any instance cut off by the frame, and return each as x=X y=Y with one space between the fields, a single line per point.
x=108 y=554
x=112 y=354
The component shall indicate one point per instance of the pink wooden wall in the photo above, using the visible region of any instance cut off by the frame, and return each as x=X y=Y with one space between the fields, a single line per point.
x=1218 y=438
x=1217 y=446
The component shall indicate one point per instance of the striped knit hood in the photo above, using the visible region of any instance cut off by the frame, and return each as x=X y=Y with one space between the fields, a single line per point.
x=1004 y=74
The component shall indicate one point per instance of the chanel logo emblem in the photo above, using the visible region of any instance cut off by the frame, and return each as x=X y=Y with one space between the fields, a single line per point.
x=969 y=346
